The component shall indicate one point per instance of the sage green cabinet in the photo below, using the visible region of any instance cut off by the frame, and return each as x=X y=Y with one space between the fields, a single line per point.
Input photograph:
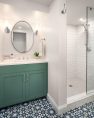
x=1 y=93
x=35 y=86
x=20 y=83
x=37 y=83
x=13 y=91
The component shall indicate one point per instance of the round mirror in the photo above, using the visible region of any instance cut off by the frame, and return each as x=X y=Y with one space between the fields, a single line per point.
x=22 y=36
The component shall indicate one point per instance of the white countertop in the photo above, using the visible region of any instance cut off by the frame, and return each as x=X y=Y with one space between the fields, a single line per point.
x=24 y=61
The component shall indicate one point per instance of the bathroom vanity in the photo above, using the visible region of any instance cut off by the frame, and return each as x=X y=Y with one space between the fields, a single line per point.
x=23 y=79
x=22 y=82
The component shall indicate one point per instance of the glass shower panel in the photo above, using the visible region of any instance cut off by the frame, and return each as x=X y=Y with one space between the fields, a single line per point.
x=90 y=50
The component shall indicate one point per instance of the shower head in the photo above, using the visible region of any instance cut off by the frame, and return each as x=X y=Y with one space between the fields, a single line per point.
x=64 y=9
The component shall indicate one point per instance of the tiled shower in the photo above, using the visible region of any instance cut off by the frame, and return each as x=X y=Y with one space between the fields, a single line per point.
x=80 y=57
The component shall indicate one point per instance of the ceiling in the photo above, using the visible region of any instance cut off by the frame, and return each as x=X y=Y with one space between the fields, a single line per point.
x=44 y=2
x=76 y=9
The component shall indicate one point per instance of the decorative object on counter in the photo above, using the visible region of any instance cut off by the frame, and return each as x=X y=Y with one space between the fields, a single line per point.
x=22 y=37
x=36 y=54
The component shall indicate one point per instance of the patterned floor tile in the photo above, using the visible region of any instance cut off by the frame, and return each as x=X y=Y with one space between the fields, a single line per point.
x=42 y=109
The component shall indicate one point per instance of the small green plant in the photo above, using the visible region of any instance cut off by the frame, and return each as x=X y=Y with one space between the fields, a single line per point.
x=36 y=54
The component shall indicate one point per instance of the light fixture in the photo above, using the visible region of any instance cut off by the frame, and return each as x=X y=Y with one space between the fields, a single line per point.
x=7 y=30
x=36 y=32
x=7 y=26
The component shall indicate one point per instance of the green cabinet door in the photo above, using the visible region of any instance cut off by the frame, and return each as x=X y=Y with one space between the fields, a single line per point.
x=1 y=93
x=35 y=85
x=45 y=77
x=13 y=88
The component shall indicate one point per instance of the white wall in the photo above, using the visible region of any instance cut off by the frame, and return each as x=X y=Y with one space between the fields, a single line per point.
x=76 y=59
x=33 y=13
x=76 y=9
x=1 y=37
x=56 y=52
x=52 y=24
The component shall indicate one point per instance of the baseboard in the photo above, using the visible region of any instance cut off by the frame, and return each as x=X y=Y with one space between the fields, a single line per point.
x=53 y=103
x=58 y=109
x=62 y=109
x=67 y=107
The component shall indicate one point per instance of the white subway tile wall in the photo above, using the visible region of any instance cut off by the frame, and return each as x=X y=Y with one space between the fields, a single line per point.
x=76 y=60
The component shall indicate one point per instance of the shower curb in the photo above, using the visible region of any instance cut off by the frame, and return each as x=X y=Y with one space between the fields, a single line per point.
x=67 y=107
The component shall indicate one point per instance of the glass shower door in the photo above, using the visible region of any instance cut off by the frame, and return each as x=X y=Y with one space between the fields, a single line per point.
x=90 y=50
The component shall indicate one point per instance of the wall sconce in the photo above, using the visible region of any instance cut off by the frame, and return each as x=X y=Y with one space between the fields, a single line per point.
x=36 y=32
x=7 y=30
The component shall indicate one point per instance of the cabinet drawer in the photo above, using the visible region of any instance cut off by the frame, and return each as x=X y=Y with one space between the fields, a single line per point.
x=23 y=68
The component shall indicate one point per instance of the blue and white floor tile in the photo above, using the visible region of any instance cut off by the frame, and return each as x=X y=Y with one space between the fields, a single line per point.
x=43 y=109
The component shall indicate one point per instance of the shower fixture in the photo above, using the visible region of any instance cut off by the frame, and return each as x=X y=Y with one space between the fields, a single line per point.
x=91 y=8
x=64 y=9
x=85 y=25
